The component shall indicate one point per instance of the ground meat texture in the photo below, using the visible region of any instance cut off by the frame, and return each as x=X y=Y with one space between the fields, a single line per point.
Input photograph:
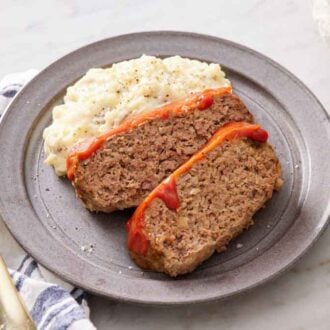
x=218 y=197
x=130 y=165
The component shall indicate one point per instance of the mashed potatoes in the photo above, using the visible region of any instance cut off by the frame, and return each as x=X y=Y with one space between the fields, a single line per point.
x=103 y=98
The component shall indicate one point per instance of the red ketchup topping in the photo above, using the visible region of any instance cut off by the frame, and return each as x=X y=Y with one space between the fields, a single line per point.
x=201 y=101
x=259 y=135
x=168 y=194
x=205 y=101
x=138 y=241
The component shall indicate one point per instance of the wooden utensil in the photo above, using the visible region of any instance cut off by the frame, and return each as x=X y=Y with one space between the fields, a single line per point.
x=13 y=314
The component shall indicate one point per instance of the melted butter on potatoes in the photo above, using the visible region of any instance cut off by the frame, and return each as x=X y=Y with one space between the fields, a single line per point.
x=104 y=98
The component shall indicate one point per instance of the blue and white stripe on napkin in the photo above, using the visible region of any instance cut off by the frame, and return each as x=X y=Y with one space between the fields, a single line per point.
x=52 y=303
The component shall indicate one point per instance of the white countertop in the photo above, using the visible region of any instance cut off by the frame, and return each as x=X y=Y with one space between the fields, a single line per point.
x=35 y=33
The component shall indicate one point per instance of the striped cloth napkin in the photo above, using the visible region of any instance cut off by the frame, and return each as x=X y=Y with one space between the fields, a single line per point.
x=52 y=303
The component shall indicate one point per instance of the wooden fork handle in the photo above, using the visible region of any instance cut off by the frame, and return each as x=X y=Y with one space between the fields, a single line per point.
x=13 y=314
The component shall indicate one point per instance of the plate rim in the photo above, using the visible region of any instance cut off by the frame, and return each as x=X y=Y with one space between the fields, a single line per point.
x=326 y=213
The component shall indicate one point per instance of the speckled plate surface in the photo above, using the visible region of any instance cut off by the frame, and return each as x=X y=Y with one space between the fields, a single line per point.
x=43 y=214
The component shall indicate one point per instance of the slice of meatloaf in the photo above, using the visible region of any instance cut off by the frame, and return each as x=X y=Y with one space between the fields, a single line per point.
x=206 y=202
x=119 y=169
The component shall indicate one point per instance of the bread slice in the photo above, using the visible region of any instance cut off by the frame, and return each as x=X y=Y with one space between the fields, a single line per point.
x=120 y=168
x=206 y=202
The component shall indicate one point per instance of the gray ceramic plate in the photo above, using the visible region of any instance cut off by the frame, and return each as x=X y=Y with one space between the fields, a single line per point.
x=43 y=214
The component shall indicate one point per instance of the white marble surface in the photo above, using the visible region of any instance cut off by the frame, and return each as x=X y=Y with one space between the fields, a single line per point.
x=35 y=33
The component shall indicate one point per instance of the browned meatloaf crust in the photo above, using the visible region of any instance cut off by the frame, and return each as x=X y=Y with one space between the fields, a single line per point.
x=128 y=165
x=217 y=198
